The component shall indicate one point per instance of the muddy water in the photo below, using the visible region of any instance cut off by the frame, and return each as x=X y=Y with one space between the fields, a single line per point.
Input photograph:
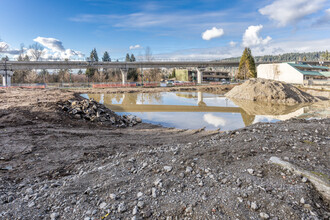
x=194 y=110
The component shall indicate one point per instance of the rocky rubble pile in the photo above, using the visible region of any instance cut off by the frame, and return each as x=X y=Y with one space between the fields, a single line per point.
x=265 y=90
x=90 y=110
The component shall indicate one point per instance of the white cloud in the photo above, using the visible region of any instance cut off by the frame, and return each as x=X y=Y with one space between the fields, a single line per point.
x=232 y=43
x=291 y=11
x=325 y=19
x=251 y=37
x=52 y=43
x=213 y=33
x=214 y=120
x=56 y=50
x=6 y=49
x=135 y=47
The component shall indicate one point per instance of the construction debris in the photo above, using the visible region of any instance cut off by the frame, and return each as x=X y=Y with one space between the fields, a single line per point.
x=90 y=110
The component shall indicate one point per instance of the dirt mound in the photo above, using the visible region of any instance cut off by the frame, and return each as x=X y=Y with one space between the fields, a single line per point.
x=264 y=90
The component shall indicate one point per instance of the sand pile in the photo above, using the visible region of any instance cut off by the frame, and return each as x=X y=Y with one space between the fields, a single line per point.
x=264 y=90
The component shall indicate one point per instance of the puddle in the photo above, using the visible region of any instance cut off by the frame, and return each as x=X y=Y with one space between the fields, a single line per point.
x=194 y=110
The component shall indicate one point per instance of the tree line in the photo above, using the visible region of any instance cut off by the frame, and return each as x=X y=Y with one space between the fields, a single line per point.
x=310 y=56
x=84 y=76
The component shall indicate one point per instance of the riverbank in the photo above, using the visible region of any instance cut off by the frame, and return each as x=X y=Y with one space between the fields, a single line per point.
x=56 y=167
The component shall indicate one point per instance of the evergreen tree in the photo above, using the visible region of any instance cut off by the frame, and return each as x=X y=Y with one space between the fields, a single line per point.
x=106 y=57
x=132 y=59
x=247 y=68
x=93 y=56
x=326 y=55
x=127 y=59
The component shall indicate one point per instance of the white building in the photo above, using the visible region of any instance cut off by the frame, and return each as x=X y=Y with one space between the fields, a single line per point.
x=297 y=73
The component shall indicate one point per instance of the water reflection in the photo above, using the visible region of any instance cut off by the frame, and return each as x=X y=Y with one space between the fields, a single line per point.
x=194 y=110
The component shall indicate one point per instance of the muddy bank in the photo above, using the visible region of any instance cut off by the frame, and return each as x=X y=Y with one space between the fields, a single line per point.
x=219 y=89
x=57 y=167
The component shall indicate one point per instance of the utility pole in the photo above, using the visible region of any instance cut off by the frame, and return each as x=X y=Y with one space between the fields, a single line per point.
x=6 y=73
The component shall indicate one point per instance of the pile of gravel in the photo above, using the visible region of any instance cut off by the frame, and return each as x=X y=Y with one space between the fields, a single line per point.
x=90 y=110
x=265 y=90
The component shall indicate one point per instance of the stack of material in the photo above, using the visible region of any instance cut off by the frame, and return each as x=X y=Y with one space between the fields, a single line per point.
x=93 y=111
x=264 y=90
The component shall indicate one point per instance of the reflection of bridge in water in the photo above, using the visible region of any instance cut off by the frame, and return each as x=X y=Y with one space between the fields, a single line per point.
x=129 y=104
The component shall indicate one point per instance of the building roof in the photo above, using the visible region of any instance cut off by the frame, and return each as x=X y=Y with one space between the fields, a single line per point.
x=309 y=66
x=310 y=73
x=326 y=74
x=313 y=70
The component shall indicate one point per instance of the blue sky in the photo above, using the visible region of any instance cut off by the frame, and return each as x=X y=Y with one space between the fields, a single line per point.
x=208 y=29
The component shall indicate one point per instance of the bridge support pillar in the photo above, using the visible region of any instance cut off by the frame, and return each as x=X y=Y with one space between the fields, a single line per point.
x=199 y=76
x=6 y=77
x=123 y=76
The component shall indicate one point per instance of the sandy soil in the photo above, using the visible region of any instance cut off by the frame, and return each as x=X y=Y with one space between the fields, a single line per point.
x=54 y=166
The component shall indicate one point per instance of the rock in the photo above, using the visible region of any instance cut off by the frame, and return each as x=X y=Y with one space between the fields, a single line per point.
x=121 y=207
x=158 y=182
x=189 y=170
x=31 y=204
x=138 y=120
x=302 y=200
x=254 y=206
x=154 y=192
x=168 y=168
x=250 y=171
x=113 y=196
x=140 y=204
x=304 y=180
x=135 y=210
x=264 y=215
x=54 y=216
x=103 y=205
x=139 y=194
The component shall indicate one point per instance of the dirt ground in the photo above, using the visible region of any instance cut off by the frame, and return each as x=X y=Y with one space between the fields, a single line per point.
x=56 y=167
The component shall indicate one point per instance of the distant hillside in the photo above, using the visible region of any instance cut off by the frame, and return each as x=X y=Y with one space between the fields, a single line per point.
x=311 y=56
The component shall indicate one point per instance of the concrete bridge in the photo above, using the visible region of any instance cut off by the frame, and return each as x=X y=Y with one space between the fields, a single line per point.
x=8 y=67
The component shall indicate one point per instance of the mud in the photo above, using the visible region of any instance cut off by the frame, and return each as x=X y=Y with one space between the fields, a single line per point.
x=56 y=167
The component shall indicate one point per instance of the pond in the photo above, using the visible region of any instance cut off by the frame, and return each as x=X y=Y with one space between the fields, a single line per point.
x=194 y=110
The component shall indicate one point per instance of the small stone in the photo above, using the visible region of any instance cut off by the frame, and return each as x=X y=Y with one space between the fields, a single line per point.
x=250 y=171
x=302 y=201
x=240 y=199
x=154 y=192
x=304 y=180
x=113 y=196
x=29 y=191
x=254 y=206
x=139 y=194
x=140 y=204
x=54 y=216
x=103 y=205
x=307 y=206
x=189 y=170
x=168 y=168
x=135 y=210
x=264 y=215
x=122 y=207
x=31 y=204
x=158 y=182
x=138 y=120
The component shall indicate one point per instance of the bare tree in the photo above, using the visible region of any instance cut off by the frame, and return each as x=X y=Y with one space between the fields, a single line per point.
x=36 y=51
x=3 y=46
x=148 y=54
